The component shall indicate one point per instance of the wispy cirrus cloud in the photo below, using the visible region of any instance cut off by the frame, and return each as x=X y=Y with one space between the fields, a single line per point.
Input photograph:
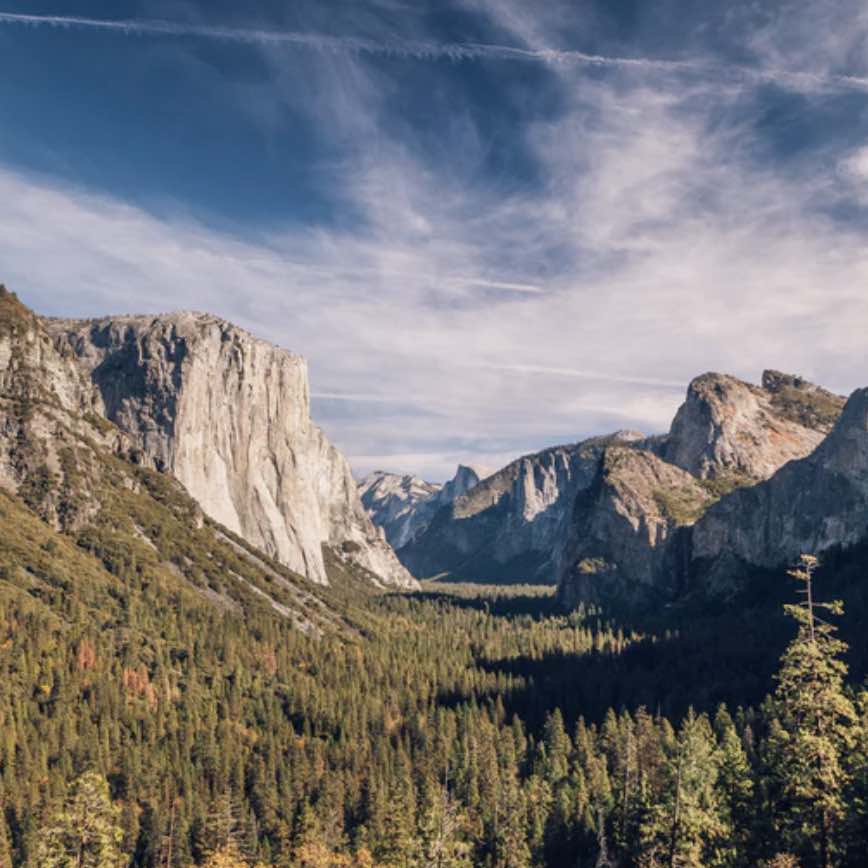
x=597 y=376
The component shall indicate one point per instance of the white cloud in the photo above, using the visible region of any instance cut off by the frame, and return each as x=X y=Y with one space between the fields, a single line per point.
x=853 y=170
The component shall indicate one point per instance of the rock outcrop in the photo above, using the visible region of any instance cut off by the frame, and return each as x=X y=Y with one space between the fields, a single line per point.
x=739 y=433
x=396 y=503
x=511 y=525
x=466 y=477
x=622 y=540
x=809 y=505
x=229 y=416
x=47 y=411
x=633 y=535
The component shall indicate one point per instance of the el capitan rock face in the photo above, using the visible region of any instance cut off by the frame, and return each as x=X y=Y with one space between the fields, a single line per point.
x=229 y=416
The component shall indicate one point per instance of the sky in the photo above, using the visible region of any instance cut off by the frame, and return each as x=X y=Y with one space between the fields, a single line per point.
x=490 y=226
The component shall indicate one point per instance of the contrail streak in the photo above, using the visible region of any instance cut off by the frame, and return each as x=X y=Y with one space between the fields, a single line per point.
x=417 y=49
x=427 y=50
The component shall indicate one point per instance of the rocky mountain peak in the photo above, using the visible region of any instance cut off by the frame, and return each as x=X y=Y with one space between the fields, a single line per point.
x=398 y=504
x=466 y=477
x=809 y=505
x=404 y=506
x=845 y=450
x=727 y=428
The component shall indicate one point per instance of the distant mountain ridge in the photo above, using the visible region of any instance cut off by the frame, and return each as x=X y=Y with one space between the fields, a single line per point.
x=507 y=527
x=637 y=517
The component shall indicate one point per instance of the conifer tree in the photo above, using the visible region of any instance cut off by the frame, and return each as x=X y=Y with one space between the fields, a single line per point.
x=686 y=825
x=735 y=788
x=5 y=847
x=223 y=828
x=226 y=856
x=817 y=727
x=85 y=833
x=441 y=837
x=309 y=847
x=857 y=791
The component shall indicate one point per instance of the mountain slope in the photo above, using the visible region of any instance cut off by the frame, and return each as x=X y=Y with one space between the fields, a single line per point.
x=809 y=505
x=76 y=509
x=510 y=526
x=229 y=416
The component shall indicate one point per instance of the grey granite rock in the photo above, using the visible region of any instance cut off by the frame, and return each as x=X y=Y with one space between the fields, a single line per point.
x=229 y=416
x=809 y=506
x=510 y=526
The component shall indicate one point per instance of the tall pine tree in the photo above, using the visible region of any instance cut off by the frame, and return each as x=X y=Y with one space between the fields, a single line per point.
x=817 y=728
x=85 y=833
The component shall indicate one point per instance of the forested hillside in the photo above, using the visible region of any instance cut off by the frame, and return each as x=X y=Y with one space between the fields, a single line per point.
x=459 y=726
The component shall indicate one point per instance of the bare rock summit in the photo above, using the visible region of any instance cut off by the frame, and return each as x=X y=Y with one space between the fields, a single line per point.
x=740 y=433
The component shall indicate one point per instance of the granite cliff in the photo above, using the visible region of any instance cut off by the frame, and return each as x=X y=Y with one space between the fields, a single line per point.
x=80 y=518
x=228 y=415
x=615 y=516
x=511 y=525
x=623 y=541
x=809 y=505
x=652 y=511
x=727 y=429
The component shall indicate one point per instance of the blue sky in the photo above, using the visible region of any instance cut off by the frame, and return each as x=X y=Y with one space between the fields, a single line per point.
x=489 y=225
